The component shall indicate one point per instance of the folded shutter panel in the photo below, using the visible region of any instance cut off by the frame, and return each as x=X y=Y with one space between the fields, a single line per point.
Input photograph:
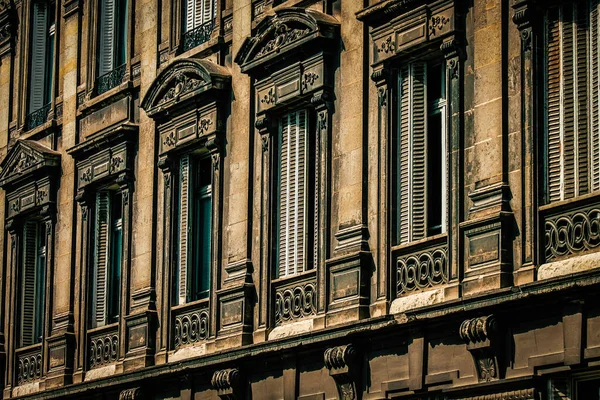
x=418 y=133
x=404 y=191
x=38 y=55
x=30 y=235
x=198 y=9
x=284 y=183
x=595 y=90
x=184 y=198
x=581 y=103
x=301 y=182
x=101 y=255
x=190 y=8
x=207 y=10
x=107 y=39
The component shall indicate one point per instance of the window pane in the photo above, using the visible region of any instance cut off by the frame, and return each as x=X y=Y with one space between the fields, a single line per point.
x=435 y=174
x=40 y=284
x=588 y=390
x=116 y=248
x=202 y=216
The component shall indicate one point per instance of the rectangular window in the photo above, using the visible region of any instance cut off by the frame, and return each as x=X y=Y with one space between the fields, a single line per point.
x=112 y=44
x=295 y=193
x=43 y=28
x=198 y=22
x=195 y=229
x=108 y=248
x=572 y=106
x=421 y=166
x=33 y=275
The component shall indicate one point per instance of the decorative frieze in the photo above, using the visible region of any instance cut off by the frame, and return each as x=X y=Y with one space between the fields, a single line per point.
x=422 y=269
x=295 y=301
x=191 y=327
x=29 y=366
x=572 y=232
x=343 y=363
x=103 y=348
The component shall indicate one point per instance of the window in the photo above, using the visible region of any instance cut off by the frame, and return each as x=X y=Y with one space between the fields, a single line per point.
x=587 y=389
x=112 y=44
x=421 y=152
x=295 y=194
x=33 y=285
x=195 y=217
x=199 y=21
x=43 y=28
x=572 y=107
x=108 y=247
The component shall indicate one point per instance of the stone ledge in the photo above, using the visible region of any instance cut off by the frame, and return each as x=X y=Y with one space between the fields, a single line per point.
x=182 y=353
x=25 y=389
x=569 y=266
x=294 y=328
x=101 y=372
x=417 y=300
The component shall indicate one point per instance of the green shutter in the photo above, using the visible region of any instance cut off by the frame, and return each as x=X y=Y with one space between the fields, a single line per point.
x=38 y=55
x=106 y=37
x=202 y=229
x=114 y=266
x=184 y=194
x=102 y=227
x=28 y=279
x=292 y=193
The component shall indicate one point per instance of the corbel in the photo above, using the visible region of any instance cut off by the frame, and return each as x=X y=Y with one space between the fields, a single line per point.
x=482 y=336
x=227 y=383
x=343 y=365
x=131 y=394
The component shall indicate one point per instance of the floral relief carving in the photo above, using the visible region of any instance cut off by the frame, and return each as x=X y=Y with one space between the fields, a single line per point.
x=387 y=46
x=41 y=196
x=283 y=35
x=437 y=23
x=183 y=85
x=87 y=175
x=24 y=162
x=309 y=79
x=15 y=206
x=269 y=97
x=169 y=139
x=203 y=125
x=115 y=163
x=487 y=369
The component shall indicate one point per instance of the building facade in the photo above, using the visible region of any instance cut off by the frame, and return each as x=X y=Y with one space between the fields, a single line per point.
x=300 y=199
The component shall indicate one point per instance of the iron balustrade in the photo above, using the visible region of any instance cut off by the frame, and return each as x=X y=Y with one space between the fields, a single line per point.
x=111 y=79
x=197 y=36
x=38 y=117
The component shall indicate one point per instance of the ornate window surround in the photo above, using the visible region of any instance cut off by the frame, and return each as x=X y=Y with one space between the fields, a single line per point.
x=189 y=101
x=400 y=31
x=289 y=58
x=30 y=173
x=102 y=161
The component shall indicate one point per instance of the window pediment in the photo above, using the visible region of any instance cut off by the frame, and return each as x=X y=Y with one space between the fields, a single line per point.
x=24 y=159
x=180 y=83
x=282 y=33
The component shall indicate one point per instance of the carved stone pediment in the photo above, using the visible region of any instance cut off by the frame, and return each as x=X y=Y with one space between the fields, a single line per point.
x=24 y=159
x=181 y=83
x=284 y=32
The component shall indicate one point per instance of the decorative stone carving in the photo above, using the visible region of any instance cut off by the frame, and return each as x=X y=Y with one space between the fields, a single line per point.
x=203 y=125
x=437 y=23
x=523 y=394
x=422 y=269
x=343 y=363
x=283 y=35
x=191 y=327
x=104 y=349
x=309 y=80
x=295 y=302
x=227 y=384
x=269 y=97
x=183 y=84
x=388 y=45
x=481 y=336
x=131 y=394
x=29 y=366
x=572 y=232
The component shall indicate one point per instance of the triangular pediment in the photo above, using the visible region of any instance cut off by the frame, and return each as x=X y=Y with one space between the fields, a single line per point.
x=24 y=158
x=181 y=81
x=284 y=31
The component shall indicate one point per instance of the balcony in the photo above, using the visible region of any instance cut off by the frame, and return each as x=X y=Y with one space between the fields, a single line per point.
x=295 y=297
x=191 y=323
x=197 y=36
x=103 y=346
x=28 y=364
x=111 y=79
x=37 y=118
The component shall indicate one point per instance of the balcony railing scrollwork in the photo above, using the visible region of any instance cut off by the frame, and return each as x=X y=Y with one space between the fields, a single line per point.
x=104 y=346
x=295 y=298
x=111 y=79
x=421 y=266
x=571 y=228
x=191 y=324
x=29 y=364
x=197 y=36
x=38 y=117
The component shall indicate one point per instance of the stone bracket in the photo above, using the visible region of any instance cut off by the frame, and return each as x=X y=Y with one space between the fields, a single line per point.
x=227 y=383
x=343 y=364
x=483 y=339
x=131 y=394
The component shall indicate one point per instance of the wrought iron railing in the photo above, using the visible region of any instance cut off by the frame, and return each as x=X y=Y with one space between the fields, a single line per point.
x=191 y=324
x=29 y=364
x=103 y=346
x=111 y=79
x=571 y=228
x=295 y=298
x=421 y=266
x=197 y=36
x=38 y=117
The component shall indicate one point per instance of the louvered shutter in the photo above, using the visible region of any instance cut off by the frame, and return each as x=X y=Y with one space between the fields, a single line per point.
x=184 y=198
x=190 y=8
x=198 y=12
x=412 y=159
x=292 y=193
x=567 y=99
x=30 y=234
x=595 y=91
x=207 y=10
x=107 y=37
x=102 y=226
x=38 y=55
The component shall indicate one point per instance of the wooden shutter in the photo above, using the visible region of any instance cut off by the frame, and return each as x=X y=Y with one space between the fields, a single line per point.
x=198 y=10
x=184 y=198
x=412 y=166
x=106 y=36
x=102 y=227
x=594 y=92
x=207 y=10
x=30 y=235
x=567 y=99
x=190 y=8
x=38 y=55
x=292 y=193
